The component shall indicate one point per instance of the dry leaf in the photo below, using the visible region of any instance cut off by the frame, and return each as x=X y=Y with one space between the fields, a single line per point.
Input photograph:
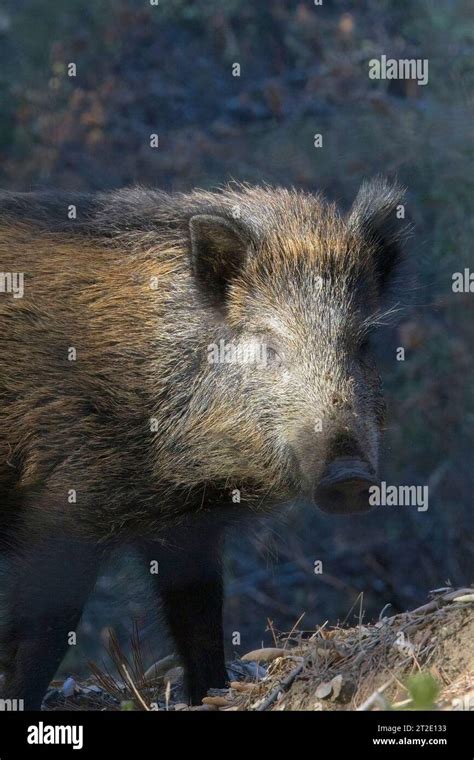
x=217 y=701
x=264 y=655
x=174 y=675
x=464 y=598
x=336 y=684
x=324 y=690
x=158 y=669
x=242 y=686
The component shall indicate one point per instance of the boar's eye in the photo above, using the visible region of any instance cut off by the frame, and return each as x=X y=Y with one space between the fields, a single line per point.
x=273 y=358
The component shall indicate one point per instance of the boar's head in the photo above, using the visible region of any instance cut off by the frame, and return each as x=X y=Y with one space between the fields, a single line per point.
x=296 y=288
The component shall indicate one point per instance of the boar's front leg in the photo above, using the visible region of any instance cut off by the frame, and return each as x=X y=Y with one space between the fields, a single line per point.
x=189 y=582
x=47 y=583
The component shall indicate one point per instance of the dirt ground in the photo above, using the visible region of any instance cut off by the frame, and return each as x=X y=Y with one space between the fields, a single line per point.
x=422 y=659
x=369 y=667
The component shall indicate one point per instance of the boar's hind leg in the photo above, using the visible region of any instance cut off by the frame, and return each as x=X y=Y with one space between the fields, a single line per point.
x=45 y=588
x=189 y=581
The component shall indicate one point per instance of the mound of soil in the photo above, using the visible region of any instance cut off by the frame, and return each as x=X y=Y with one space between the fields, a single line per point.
x=369 y=666
x=423 y=659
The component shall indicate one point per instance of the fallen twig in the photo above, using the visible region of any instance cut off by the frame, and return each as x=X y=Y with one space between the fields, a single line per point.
x=282 y=686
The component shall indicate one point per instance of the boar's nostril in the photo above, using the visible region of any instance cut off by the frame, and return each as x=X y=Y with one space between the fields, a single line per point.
x=344 y=445
x=344 y=486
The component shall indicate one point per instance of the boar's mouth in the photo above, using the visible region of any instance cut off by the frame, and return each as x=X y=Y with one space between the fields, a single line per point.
x=344 y=487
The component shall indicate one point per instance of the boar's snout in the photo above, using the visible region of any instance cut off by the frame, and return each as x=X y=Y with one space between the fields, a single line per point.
x=344 y=486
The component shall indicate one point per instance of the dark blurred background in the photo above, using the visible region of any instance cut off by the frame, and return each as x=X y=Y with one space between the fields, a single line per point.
x=167 y=69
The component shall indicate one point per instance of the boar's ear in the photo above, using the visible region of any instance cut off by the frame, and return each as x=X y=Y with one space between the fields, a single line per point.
x=218 y=251
x=374 y=214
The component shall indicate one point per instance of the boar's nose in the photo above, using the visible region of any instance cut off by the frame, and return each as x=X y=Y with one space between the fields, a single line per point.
x=344 y=486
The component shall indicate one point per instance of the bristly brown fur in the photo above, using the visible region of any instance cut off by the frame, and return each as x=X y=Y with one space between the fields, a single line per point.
x=141 y=351
x=115 y=425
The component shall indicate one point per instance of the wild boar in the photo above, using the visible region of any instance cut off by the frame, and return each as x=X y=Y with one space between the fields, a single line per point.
x=121 y=424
